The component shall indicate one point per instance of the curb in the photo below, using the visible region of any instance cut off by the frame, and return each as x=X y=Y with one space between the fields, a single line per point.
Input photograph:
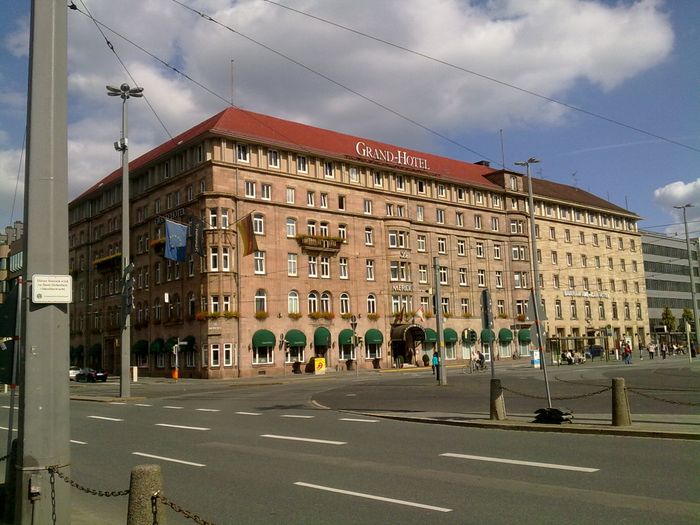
x=566 y=428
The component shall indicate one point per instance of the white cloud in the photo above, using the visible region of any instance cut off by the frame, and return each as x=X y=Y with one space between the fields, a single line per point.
x=679 y=194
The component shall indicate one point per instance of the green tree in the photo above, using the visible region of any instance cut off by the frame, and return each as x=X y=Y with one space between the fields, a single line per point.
x=668 y=319
x=687 y=317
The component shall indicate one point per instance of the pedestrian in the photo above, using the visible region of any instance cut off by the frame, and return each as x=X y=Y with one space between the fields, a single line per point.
x=434 y=362
x=436 y=365
x=651 y=350
x=627 y=352
x=664 y=351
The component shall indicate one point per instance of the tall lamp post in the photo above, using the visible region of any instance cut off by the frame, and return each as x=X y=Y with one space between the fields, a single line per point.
x=125 y=92
x=692 y=279
x=536 y=273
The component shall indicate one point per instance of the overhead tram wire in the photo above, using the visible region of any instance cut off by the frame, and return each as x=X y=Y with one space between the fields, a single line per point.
x=486 y=77
x=337 y=83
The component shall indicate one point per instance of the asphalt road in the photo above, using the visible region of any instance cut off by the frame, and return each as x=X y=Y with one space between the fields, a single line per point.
x=265 y=453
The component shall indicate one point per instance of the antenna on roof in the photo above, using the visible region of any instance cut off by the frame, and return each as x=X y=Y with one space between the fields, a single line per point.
x=573 y=176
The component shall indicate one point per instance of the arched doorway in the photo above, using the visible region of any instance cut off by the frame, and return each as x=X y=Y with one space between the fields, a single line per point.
x=404 y=340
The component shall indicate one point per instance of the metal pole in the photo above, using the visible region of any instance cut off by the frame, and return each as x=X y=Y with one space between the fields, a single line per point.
x=44 y=408
x=438 y=323
x=692 y=283
x=125 y=347
x=535 y=279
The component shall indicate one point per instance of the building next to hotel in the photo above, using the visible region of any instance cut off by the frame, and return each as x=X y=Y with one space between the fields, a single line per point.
x=351 y=237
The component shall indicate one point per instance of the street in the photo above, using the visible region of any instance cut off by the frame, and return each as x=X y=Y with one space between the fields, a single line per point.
x=266 y=453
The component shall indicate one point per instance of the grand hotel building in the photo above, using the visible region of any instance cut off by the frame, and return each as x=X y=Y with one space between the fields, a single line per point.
x=349 y=231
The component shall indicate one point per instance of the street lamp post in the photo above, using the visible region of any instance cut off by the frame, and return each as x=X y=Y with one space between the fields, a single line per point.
x=125 y=92
x=692 y=280
x=535 y=273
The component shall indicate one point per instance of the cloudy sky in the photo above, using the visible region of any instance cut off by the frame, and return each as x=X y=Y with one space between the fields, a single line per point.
x=473 y=80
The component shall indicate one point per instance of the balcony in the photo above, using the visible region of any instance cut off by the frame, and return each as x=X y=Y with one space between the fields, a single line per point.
x=319 y=244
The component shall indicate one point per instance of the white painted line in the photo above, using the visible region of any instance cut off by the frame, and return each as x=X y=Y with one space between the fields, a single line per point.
x=350 y=395
x=78 y=442
x=168 y=459
x=249 y=413
x=370 y=496
x=296 y=416
x=106 y=418
x=309 y=440
x=525 y=463
x=357 y=420
x=117 y=403
x=181 y=426
x=174 y=408
x=207 y=410
x=142 y=405
x=5 y=428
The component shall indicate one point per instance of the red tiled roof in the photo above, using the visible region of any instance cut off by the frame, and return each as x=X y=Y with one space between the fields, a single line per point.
x=554 y=190
x=252 y=126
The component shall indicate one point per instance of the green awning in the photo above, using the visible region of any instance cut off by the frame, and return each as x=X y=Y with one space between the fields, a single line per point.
x=263 y=339
x=157 y=345
x=524 y=336
x=430 y=335
x=322 y=337
x=295 y=338
x=450 y=335
x=345 y=337
x=170 y=343
x=505 y=336
x=140 y=347
x=487 y=335
x=189 y=339
x=374 y=337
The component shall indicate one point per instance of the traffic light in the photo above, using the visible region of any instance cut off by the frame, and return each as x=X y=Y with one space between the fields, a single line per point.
x=486 y=314
x=472 y=337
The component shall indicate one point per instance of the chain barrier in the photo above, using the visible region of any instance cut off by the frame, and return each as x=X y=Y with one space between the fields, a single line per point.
x=561 y=398
x=107 y=494
x=656 y=398
x=187 y=514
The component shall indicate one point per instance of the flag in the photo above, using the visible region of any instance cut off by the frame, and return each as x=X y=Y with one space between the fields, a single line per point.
x=245 y=230
x=175 y=241
x=196 y=229
x=420 y=317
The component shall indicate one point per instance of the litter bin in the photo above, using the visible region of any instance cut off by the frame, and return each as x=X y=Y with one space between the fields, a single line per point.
x=135 y=374
x=535 y=361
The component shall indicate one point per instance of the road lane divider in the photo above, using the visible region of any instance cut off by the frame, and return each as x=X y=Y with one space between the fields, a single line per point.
x=308 y=440
x=373 y=497
x=297 y=416
x=142 y=405
x=249 y=413
x=171 y=460
x=76 y=442
x=519 y=462
x=358 y=420
x=173 y=407
x=106 y=418
x=184 y=427
x=207 y=410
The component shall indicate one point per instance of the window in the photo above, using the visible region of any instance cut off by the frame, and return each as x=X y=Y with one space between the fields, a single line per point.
x=555 y=258
x=461 y=247
x=371 y=304
x=420 y=213
x=354 y=174
x=389 y=209
x=215 y=355
x=595 y=239
x=343 y=231
x=250 y=189
x=341 y=202
x=369 y=267
x=378 y=179
x=310 y=198
x=459 y=218
x=224 y=219
x=293 y=302
x=325 y=267
x=213 y=262
x=443 y=275
x=228 y=354
x=242 y=153
x=213 y=216
x=494 y=224
x=225 y=261
x=601 y=310
x=273 y=158
x=344 y=303
x=501 y=308
x=259 y=262
x=584 y=261
x=420 y=186
x=397 y=239
x=481 y=278
x=311 y=227
x=499 y=279
x=324 y=200
x=496 y=201
x=326 y=302
x=214 y=304
x=573 y=310
x=442 y=245
x=440 y=216
x=462 y=277
x=266 y=192
x=422 y=273
x=477 y=222
x=572 y=283
x=262 y=355
x=343 y=267
x=302 y=164
x=368 y=207
x=497 y=251
x=291 y=227
x=258 y=224
x=292 y=268
x=328 y=171
x=313 y=266
x=400 y=183
x=421 y=243
x=290 y=195
x=369 y=237
x=479 y=249
x=557 y=309
x=260 y=301
x=552 y=233
x=479 y=197
x=569 y=259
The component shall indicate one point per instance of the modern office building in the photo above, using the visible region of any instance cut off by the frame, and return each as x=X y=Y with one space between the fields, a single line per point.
x=351 y=238
x=668 y=279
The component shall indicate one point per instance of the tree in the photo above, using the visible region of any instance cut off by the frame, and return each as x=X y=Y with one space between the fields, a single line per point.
x=687 y=317
x=668 y=319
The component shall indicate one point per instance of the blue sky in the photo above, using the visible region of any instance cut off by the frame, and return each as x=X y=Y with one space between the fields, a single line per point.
x=634 y=62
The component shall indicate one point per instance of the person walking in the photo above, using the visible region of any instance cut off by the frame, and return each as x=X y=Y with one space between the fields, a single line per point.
x=627 y=352
x=651 y=349
x=433 y=361
x=436 y=365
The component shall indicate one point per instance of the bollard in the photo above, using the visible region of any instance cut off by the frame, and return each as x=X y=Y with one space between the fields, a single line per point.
x=620 y=405
x=145 y=482
x=498 y=404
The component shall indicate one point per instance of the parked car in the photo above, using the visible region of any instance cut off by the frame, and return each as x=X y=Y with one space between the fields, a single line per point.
x=90 y=375
x=72 y=372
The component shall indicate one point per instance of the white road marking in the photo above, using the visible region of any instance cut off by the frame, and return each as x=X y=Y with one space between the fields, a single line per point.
x=106 y=418
x=309 y=440
x=174 y=408
x=181 y=426
x=117 y=403
x=173 y=460
x=78 y=442
x=249 y=413
x=296 y=416
x=350 y=395
x=207 y=410
x=518 y=462
x=142 y=405
x=357 y=420
x=371 y=496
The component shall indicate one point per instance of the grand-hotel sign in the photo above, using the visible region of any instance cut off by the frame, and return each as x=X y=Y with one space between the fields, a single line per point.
x=398 y=156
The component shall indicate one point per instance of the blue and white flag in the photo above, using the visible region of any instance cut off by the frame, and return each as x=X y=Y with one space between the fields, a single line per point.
x=175 y=241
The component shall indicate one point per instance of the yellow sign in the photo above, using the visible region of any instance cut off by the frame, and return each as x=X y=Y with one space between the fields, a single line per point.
x=319 y=366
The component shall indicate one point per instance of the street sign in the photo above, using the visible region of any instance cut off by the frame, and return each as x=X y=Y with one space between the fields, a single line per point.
x=52 y=289
x=353 y=322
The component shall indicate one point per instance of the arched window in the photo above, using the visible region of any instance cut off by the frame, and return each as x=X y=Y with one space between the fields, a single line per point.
x=344 y=303
x=325 y=302
x=293 y=302
x=260 y=301
x=313 y=302
x=371 y=304
x=146 y=314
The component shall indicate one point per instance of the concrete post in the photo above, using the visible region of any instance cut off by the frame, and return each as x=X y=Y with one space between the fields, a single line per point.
x=498 y=404
x=145 y=482
x=620 y=405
